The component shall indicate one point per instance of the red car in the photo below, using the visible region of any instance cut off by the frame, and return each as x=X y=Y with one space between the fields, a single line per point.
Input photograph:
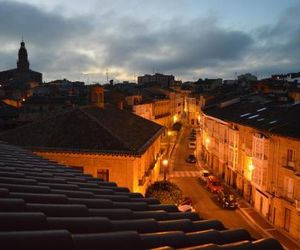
x=214 y=184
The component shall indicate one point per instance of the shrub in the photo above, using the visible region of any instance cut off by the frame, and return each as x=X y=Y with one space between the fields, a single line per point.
x=177 y=126
x=166 y=192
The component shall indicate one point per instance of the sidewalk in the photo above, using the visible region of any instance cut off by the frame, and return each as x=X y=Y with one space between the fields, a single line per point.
x=266 y=228
x=263 y=226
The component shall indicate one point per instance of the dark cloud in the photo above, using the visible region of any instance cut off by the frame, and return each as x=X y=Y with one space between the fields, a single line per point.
x=48 y=36
x=39 y=27
x=173 y=47
x=62 y=46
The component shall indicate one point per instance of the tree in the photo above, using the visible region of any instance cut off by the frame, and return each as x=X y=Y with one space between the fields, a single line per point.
x=177 y=126
x=166 y=192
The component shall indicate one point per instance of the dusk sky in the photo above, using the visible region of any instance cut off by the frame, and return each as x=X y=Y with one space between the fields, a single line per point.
x=191 y=39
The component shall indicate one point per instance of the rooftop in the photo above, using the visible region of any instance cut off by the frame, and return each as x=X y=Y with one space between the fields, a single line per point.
x=89 y=129
x=261 y=114
x=44 y=205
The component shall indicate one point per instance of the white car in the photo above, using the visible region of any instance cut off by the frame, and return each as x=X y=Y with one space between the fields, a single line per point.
x=204 y=174
x=192 y=145
x=186 y=208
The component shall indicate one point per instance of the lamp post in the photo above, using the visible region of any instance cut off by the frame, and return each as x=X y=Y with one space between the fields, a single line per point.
x=169 y=137
x=165 y=163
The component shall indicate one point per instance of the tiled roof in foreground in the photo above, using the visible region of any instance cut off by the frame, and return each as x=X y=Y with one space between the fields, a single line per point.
x=44 y=205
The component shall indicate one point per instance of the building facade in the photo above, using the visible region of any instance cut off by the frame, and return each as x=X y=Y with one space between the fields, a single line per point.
x=103 y=141
x=256 y=151
x=135 y=172
x=157 y=79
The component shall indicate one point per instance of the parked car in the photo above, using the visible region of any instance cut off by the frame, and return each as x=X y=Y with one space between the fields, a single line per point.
x=191 y=158
x=192 y=145
x=213 y=184
x=204 y=175
x=193 y=133
x=227 y=199
x=192 y=138
x=186 y=205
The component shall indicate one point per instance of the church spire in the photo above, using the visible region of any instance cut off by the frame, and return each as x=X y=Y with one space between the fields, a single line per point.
x=23 y=63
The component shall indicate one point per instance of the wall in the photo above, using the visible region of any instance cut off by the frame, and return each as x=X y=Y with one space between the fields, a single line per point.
x=134 y=172
x=278 y=189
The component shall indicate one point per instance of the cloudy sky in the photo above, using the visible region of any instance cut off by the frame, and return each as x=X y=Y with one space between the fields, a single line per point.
x=81 y=40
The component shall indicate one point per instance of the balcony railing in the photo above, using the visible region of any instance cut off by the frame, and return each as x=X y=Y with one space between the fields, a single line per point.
x=162 y=115
x=147 y=173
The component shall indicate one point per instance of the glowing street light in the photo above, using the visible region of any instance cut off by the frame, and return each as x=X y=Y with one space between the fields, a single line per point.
x=165 y=163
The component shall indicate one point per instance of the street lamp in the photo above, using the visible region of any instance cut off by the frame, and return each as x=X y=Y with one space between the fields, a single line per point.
x=165 y=163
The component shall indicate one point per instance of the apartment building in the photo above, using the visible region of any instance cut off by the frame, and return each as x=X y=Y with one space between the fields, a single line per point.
x=254 y=145
x=162 y=106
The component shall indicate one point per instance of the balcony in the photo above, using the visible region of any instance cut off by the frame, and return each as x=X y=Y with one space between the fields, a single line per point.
x=147 y=173
x=142 y=181
x=162 y=115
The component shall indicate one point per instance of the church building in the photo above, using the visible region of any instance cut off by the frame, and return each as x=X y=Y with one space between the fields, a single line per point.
x=22 y=75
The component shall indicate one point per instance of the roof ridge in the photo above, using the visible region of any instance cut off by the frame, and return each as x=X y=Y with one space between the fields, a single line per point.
x=103 y=126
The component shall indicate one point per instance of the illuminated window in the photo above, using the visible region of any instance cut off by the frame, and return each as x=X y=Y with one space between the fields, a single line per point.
x=103 y=174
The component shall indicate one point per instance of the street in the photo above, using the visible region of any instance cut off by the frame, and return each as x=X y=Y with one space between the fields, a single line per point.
x=204 y=201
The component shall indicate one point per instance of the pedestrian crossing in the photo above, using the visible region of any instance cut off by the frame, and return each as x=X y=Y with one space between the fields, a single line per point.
x=177 y=174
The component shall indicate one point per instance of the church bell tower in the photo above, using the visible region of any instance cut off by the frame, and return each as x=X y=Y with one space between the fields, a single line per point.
x=23 y=63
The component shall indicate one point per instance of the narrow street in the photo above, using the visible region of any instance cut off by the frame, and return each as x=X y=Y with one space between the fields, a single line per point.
x=204 y=201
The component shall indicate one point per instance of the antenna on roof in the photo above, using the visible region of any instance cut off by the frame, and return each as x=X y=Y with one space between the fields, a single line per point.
x=106 y=75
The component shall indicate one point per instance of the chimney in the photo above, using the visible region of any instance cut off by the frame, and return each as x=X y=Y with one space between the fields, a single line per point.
x=97 y=96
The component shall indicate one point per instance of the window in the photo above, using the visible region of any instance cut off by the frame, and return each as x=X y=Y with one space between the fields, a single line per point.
x=103 y=174
x=288 y=187
x=290 y=155
x=77 y=167
x=287 y=219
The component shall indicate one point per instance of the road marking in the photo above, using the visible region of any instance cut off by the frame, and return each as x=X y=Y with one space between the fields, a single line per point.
x=177 y=174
